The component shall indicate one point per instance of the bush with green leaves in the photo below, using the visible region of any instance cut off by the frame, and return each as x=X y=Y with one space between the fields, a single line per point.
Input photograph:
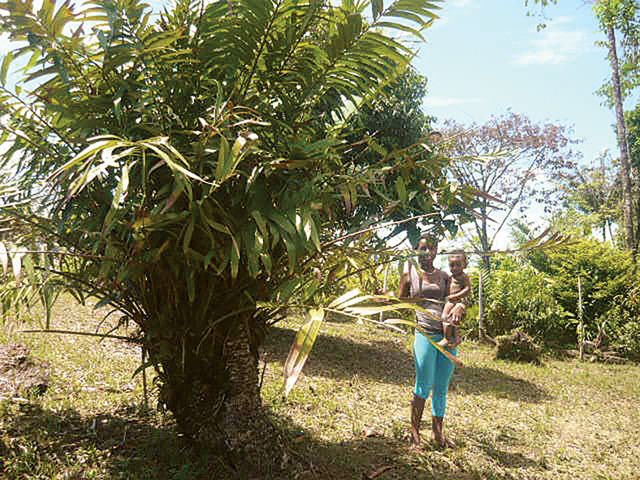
x=470 y=327
x=517 y=296
x=606 y=276
x=625 y=312
x=540 y=294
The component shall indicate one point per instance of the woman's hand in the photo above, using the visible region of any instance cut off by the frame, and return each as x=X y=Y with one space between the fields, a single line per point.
x=456 y=314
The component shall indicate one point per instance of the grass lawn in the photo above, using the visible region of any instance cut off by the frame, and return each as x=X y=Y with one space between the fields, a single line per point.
x=347 y=418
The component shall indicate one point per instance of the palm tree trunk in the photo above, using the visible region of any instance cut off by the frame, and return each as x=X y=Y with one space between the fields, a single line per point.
x=248 y=429
x=216 y=401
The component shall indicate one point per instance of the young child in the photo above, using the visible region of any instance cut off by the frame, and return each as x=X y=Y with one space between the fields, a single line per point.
x=459 y=288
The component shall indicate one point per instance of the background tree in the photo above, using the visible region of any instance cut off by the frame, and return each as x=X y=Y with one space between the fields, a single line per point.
x=391 y=122
x=620 y=22
x=592 y=196
x=632 y=121
x=509 y=157
x=632 y=124
x=195 y=175
x=621 y=15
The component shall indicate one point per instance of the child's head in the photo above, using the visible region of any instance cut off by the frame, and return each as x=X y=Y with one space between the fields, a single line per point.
x=457 y=262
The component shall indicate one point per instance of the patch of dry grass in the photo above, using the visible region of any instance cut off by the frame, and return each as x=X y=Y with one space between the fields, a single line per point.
x=91 y=422
x=346 y=418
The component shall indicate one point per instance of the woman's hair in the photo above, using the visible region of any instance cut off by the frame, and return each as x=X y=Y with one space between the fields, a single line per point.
x=429 y=239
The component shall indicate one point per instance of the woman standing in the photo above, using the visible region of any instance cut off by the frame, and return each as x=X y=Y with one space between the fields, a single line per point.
x=433 y=369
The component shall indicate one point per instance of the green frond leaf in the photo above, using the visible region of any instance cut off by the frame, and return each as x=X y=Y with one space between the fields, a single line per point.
x=345 y=298
x=4 y=69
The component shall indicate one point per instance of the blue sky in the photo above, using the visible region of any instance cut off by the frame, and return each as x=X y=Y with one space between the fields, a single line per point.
x=483 y=57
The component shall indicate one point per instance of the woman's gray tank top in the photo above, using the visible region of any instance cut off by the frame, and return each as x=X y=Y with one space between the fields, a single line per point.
x=430 y=291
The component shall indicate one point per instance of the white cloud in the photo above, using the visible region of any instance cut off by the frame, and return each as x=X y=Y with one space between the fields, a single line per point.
x=555 y=47
x=461 y=3
x=449 y=101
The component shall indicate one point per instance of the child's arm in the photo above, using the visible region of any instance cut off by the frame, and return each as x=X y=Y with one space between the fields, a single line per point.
x=454 y=297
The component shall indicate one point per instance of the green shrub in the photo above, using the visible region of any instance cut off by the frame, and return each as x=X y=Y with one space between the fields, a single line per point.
x=606 y=275
x=524 y=299
x=628 y=343
x=469 y=327
x=625 y=315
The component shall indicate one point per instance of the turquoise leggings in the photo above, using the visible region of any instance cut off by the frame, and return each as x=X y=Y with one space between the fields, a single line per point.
x=433 y=372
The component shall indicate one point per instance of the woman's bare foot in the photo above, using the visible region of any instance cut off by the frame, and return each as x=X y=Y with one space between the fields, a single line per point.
x=417 y=406
x=415 y=438
x=443 y=442
x=437 y=435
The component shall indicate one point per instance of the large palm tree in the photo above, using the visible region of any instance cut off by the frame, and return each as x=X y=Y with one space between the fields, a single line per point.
x=192 y=170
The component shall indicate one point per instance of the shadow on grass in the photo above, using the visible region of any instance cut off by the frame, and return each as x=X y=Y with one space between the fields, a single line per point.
x=386 y=361
x=488 y=381
x=390 y=361
x=388 y=457
x=500 y=449
x=39 y=443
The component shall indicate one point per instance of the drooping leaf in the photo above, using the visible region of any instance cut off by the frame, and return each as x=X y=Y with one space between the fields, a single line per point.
x=300 y=349
x=4 y=69
x=4 y=258
x=16 y=264
x=95 y=147
x=345 y=298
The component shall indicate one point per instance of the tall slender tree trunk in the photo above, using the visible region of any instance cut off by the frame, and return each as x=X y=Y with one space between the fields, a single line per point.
x=627 y=204
x=481 y=330
x=486 y=264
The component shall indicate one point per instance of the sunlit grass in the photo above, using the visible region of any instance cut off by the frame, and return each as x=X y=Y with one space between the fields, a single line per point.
x=346 y=418
x=560 y=420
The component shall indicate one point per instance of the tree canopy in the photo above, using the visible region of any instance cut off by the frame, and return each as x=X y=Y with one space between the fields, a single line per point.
x=509 y=158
